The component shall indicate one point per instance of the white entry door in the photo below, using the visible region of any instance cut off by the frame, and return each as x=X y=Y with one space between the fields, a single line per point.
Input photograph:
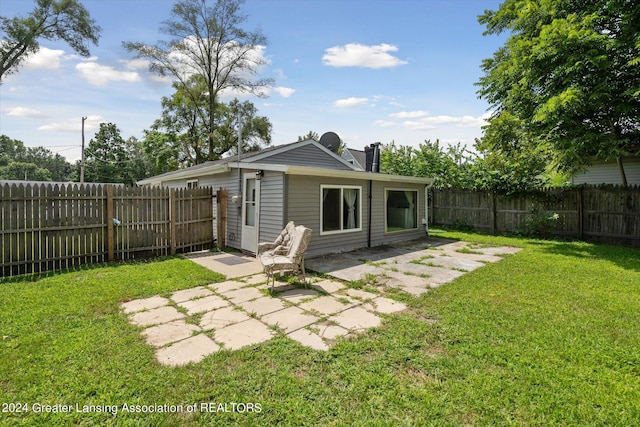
x=250 y=213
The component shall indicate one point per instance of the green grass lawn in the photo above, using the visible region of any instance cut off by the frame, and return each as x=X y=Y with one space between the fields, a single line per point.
x=549 y=336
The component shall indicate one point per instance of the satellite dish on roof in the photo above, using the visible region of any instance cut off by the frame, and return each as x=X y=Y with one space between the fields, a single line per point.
x=331 y=141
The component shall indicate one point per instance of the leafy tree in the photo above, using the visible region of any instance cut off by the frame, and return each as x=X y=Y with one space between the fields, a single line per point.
x=24 y=171
x=10 y=149
x=58 y=167
x=567 y=80
x=106 y=155
x=163 y=151
x=207 y=42
x=256 y=130
x=50 y=20
x=450 y=167
x=109 y=158
x=310 y=135
x=185 y=123
x=32 y=163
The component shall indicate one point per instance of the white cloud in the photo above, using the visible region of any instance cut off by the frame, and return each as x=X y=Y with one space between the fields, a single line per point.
x=284 y=92
x=417 y=125
x=409 y=114
x=101 y=75
x=136 y=64
x=25 y=112
x=44 y=59
x=420 y=120
x=74 y=125
x=384 y=124
x=358 y=55
x=350 y=102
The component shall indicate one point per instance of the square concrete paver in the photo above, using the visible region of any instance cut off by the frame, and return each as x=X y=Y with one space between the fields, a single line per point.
x=329 y=331
x=356 y=318
x=243 y=334
x=222 y=317
x=190 y=350
x=296 y=296
x=255 y=279
x=262 y=306
x=327 y=305
x=200 y=305
x=143 y=304
x=157 y=315
x=187 y=294
x=309 y=339
x=415 y=291
x=361 y=295
x=243 y=294
x=231 y=265
x=384 y=305
x=328 y=286
x=227 y=286
x=289 y=319
x=166 y=333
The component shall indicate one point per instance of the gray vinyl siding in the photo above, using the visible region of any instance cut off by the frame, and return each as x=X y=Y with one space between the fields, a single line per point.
x=608 y=173
x=307 y=155
x=271 y=206
x=304 y=209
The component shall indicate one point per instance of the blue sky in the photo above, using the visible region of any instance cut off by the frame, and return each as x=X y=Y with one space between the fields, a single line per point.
x=369 y=70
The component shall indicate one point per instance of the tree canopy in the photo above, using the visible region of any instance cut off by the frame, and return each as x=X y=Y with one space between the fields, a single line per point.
x=566 y=84
x=185 y=123
x=208 y=52
x=66 y=20
x=31 y=163
x=109 y=158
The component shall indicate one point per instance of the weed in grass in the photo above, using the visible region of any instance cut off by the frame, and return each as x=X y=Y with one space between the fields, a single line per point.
x=343 y=300
x=356 y=284
x=468 y=251
x=194 y=319
x=371 y=289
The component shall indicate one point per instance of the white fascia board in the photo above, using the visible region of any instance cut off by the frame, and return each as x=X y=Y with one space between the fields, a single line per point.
x=260 y=166
x=186 y=174
x=334 y=173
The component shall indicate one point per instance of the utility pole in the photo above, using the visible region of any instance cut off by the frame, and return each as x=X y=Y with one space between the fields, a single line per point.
x=82 y=158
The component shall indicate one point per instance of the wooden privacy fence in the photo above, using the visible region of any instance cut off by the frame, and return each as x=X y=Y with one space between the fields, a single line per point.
x=52 y=227
x=605 y=214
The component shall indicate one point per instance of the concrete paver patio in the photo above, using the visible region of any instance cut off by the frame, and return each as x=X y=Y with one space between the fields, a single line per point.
x=193 y=323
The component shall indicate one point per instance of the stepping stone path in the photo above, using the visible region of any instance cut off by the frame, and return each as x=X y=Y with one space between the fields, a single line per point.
x=193 y=323
x=413 y=267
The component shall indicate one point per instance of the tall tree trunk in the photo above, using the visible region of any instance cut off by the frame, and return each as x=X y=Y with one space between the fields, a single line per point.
x=623 y=176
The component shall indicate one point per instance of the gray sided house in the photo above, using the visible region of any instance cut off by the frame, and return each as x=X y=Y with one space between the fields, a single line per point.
x=304 y=182
x=601 y=172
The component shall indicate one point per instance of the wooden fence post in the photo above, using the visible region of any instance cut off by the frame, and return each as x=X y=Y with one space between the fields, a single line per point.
x=221 y=223
x=172 y=221
x=110 y=235
x=581 y=212
x=494 y=214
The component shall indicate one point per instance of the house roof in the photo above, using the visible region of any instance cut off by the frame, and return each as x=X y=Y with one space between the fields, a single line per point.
x=264 y=160
x=358 y=158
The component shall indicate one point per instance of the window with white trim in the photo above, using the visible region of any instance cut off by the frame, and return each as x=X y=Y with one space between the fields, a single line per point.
x=340 y=209
x=401 y=210
x=192 y=183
